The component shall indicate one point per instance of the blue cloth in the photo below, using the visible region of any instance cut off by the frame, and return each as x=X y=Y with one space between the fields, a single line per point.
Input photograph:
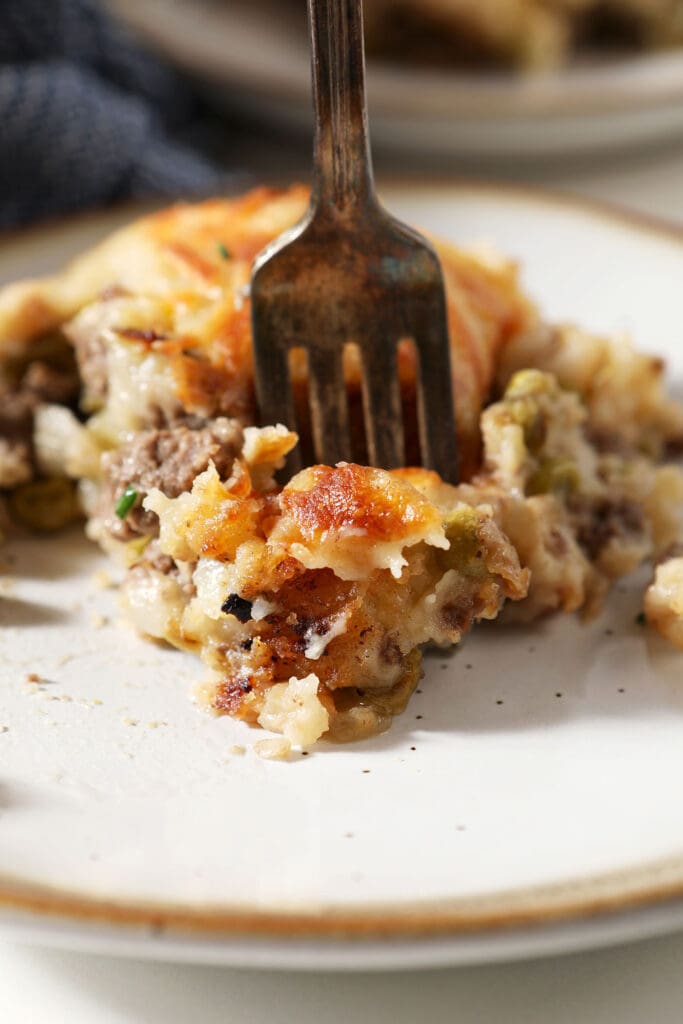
x=87 y=116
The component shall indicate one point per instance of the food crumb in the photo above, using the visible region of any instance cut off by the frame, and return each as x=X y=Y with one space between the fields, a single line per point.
x=102 y=579
x=32 y=677
x=65 y=659
x=4 y=728
x=97 y=621
x=273 y=750
x=129 y=721
x=237 y=748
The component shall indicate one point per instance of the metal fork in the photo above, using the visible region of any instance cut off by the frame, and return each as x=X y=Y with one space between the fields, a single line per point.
x=349 y=272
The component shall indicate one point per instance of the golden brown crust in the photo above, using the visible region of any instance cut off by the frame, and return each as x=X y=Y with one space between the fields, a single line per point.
x=354 y=498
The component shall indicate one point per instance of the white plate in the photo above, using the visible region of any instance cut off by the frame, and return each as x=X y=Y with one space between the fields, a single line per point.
x=253 y=55
x=527 y=801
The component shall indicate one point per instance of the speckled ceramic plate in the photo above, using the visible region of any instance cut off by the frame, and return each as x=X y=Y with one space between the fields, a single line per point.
x=252 y=55
x=527 y=801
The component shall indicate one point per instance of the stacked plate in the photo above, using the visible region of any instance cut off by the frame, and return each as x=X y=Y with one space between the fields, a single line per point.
x=251 y=55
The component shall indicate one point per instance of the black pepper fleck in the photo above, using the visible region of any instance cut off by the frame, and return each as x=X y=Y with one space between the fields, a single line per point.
x=558 y=694
x=418 y=717
x=499 y=702
x=237 y=606
x=413 y=748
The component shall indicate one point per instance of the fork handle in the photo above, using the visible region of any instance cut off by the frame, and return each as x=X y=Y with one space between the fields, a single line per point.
x=342 y=175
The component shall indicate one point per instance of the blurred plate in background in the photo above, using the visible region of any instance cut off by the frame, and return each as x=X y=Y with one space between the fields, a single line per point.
x=251 y=54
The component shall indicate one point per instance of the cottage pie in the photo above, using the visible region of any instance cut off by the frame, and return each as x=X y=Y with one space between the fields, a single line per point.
x=128 y=399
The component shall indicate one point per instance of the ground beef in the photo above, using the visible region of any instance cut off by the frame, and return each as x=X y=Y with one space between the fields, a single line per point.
x=55 y=385
x=154 y=560
x=168 y=460
x=91 y=358
x=50 y=377
x=599 y=522
x=16 y=438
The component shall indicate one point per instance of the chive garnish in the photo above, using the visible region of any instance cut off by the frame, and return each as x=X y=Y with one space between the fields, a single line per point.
x=126 y=502
x=223 y=251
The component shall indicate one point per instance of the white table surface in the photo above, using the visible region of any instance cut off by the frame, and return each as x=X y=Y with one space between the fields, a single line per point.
x=631 y=985
x=627 y=985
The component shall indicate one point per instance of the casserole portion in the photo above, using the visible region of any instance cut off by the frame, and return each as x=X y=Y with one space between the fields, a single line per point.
x=128 y=401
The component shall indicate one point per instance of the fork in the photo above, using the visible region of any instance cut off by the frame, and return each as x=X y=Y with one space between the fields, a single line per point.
x=348 y=272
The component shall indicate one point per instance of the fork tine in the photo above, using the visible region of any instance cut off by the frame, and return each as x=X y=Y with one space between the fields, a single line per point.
x=382 y=403
x=435 y=404
x=273 y=384
x=329 y=407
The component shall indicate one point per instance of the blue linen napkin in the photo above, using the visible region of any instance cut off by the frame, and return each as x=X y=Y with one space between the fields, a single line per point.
x=87 y=116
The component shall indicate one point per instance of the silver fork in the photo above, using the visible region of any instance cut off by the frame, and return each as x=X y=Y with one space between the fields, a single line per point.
x=349 y=272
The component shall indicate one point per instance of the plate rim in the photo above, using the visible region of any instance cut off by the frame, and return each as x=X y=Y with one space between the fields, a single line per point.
x=569 y=901
x=657 y=884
